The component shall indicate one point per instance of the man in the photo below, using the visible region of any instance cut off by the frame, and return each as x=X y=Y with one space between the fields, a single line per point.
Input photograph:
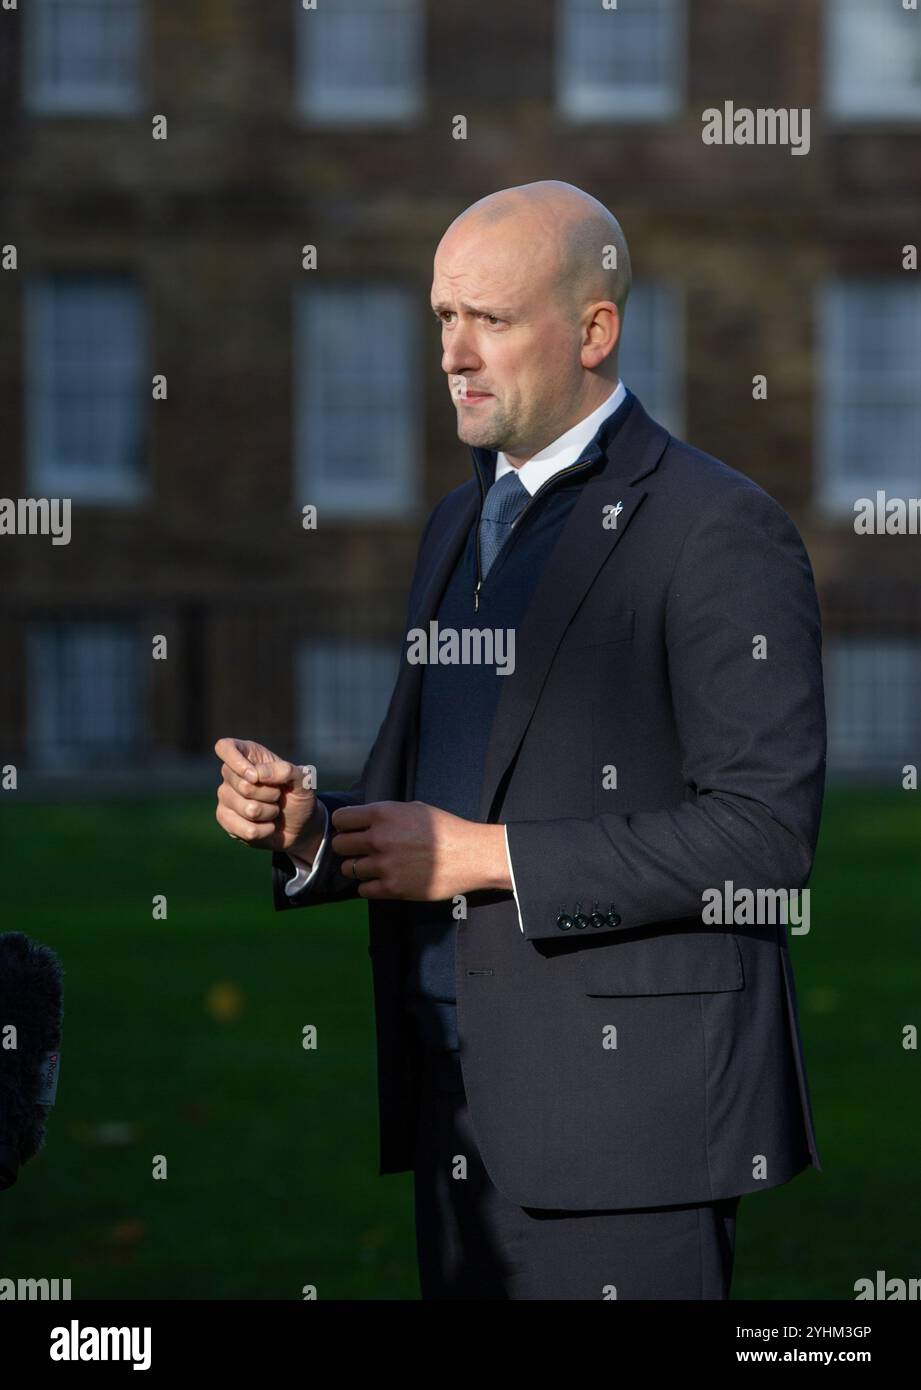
x=582 y=1069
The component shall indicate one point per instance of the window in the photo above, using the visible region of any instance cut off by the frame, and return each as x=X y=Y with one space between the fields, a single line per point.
x=85 y=353
x=359 y=61
x=869 y=426
x=872 y=59
x=623 y=62
x=358 y=400
x=651 y=360
x=344 y=687
x=873 y=692
x=85 y=693
x=82 y=56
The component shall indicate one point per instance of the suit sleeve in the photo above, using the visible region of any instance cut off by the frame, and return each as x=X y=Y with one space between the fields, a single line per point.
x=328 y=884
x=752 y=736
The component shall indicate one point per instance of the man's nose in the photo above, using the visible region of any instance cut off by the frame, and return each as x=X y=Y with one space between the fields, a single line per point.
x=458 y=354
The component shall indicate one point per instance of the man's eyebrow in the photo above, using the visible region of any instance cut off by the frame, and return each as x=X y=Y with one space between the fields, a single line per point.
x=496 y=313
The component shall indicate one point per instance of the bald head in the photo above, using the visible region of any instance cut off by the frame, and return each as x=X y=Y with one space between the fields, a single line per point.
x=584 y=241
x=530 y=287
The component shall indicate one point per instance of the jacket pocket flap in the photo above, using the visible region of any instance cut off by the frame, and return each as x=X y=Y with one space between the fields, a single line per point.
x=595 y=629
x=694 y=962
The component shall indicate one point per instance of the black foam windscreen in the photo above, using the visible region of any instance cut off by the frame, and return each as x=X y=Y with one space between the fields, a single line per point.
x=31 y=993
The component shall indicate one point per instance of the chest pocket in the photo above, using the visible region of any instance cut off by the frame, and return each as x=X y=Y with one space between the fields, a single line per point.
x=599 y=627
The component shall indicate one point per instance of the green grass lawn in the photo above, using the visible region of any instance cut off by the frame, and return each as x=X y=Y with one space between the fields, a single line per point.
x=183 y=1038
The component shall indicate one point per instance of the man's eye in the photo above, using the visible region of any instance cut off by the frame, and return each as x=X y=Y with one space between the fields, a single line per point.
x=441 y=316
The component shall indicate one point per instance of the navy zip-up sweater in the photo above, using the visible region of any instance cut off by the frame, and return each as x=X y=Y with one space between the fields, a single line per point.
x=457 y=706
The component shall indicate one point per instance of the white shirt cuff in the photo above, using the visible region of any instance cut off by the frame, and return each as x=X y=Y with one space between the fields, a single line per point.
x=305 y=873
x=512 y=876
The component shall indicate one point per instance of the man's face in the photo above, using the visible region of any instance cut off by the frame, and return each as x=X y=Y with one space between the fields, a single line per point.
x=509 y=351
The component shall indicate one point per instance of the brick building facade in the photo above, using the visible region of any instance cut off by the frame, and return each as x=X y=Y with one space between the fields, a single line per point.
x=127 y=257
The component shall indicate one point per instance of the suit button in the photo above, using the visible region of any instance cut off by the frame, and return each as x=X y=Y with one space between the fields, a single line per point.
x=564 y=921
x=598 y=919
x=580 y=921
x=613 y=919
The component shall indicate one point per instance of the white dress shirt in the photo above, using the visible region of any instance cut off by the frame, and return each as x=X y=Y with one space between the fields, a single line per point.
x=562 y=453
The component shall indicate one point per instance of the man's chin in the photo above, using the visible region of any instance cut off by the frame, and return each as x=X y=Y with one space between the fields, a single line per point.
x=478 y=434
x=477 y=439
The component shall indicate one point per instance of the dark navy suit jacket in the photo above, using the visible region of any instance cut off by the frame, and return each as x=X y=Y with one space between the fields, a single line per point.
x=656 y=1061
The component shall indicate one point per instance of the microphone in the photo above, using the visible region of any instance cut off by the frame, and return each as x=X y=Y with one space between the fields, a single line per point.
x=30 y=1039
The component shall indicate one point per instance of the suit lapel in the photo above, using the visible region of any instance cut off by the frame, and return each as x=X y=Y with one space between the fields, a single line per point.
x=582 y=547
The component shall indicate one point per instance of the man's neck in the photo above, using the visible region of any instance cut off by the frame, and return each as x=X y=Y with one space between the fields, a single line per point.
x=517 y=460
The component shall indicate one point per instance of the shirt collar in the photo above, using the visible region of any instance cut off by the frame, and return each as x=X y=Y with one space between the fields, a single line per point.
x=566 y=450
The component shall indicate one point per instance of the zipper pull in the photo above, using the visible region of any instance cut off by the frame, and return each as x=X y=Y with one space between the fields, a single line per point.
x=476 y=596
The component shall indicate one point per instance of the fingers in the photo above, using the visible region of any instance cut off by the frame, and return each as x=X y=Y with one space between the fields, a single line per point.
x=277 y=771
x=253 y=763
x=252 y=832
x=253 y=790
x=232 y=751
x=247 y=807
x=346 y=844
x=354 y=817
x=364 y=871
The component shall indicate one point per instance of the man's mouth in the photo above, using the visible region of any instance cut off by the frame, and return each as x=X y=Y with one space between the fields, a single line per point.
x=465 y=394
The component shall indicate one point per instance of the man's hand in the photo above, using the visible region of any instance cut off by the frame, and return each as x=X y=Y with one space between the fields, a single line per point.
x=417 y=852
x=263 y=801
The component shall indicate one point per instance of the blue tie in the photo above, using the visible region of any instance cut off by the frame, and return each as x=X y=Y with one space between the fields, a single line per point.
x=504 y=501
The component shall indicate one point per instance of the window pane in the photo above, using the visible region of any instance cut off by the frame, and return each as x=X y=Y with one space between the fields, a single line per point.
x=358 y=399
x=85 y=344
x=343 y=691
x=624 y=61
x=83 y=55
x=873 y=59
x=869 y=343
x=651 y=360
x=85 y=693
x=873 y=690
x=360 y=60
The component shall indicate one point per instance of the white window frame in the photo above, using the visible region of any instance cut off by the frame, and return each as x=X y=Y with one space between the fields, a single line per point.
x=47 y=474
x=321 y=100
x=394 y=494
x=836 y=490
x=578 y=101
x=44 y=96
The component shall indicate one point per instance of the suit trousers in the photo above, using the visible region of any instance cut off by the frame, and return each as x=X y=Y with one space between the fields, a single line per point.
x=474 y=1243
